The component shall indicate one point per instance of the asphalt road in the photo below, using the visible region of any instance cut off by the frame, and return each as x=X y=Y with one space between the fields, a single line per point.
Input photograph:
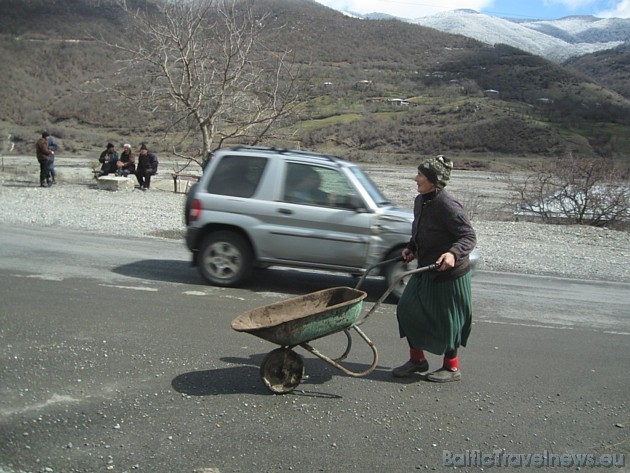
x=115 y=356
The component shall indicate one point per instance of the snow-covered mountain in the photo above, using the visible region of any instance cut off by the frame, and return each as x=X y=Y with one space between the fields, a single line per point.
x=556 y=40
x=583 y=29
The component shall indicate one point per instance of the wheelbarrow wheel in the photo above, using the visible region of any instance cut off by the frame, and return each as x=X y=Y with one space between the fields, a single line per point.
x=282 y=370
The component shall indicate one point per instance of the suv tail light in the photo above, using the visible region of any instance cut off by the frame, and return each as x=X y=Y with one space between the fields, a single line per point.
x=195 y=210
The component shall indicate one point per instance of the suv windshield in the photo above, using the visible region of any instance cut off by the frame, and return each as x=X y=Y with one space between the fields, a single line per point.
x=370 y=187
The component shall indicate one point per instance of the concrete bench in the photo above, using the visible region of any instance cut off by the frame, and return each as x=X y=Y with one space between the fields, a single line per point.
x=115 y=183
x=182 y=182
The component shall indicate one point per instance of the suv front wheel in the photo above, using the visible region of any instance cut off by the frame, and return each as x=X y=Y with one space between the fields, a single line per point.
x=225 y=259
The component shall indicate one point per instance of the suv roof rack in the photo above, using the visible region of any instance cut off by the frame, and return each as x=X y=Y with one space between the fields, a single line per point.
x=286 y=151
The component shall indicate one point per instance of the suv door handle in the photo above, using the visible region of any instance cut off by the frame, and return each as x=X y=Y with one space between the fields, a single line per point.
x=285 y=211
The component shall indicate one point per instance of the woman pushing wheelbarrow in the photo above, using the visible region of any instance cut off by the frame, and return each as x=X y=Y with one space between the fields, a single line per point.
x=436 y=301
x=435 y=310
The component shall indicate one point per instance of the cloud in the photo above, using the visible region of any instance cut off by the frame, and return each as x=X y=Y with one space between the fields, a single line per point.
x=405 y=8
x=621 y=10
x=570 y=4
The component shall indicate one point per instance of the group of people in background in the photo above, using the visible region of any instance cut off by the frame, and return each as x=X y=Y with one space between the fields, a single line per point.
x=125 y=164
x=143 y=167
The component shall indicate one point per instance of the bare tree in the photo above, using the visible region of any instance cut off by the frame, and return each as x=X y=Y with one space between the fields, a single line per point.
x=582 y=191
x=203 y=66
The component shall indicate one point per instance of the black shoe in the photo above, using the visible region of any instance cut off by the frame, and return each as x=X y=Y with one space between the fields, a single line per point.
x=43 y=184
x=444 y=375
x=411 y=367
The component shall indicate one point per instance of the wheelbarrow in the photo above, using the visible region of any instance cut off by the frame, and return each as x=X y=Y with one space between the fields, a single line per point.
x=300 y=320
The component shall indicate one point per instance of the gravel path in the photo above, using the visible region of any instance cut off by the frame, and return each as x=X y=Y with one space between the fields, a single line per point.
x=566 y=251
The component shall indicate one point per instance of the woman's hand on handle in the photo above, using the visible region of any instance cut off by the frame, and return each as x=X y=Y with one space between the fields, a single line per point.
x=407 y=255
x=446 y=261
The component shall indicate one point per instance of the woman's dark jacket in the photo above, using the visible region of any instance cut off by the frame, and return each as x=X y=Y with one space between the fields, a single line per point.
x=440 y=225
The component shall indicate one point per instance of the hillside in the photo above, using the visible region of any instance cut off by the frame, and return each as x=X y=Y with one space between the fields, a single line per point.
x=379 y=90
x=611 y=68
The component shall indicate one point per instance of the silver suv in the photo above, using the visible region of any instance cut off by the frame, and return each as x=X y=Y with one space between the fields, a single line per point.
x=259 y=207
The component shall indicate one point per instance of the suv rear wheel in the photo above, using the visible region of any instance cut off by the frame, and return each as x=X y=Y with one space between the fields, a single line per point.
x=225 y=259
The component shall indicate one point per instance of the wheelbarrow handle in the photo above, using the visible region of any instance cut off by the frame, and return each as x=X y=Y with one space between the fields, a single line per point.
x=430 y=267
x=376 y=265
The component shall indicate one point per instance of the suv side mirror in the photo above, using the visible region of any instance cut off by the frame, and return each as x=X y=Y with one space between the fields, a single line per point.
x=351 y=202
x=354 y=202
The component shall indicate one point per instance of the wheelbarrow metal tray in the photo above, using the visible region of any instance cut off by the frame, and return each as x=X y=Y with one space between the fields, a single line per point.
x=303 y=318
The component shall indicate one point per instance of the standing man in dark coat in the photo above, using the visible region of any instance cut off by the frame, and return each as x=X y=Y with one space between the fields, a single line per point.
x=43 y=153
x=147 y=167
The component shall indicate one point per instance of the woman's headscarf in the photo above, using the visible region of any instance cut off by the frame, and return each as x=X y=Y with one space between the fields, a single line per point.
x=437 y=170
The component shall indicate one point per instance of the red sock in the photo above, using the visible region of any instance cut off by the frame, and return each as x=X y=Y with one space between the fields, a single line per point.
x=415 y=354
x=451 y=364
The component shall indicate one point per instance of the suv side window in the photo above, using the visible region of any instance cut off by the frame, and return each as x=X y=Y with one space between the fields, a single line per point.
x=237 y=176
x=315 y=185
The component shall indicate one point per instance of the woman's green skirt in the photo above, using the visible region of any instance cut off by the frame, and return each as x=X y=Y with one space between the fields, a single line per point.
x=436 y=316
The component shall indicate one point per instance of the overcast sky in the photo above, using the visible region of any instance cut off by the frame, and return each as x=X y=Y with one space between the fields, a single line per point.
x=520 y=9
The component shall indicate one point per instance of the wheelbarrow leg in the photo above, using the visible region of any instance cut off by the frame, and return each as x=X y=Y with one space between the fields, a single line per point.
x=334 y=363
x=348 y=346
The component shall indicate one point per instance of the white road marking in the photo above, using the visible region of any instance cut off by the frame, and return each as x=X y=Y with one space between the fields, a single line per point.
x=55 y=399
x=131 y=288
x=44 y=277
